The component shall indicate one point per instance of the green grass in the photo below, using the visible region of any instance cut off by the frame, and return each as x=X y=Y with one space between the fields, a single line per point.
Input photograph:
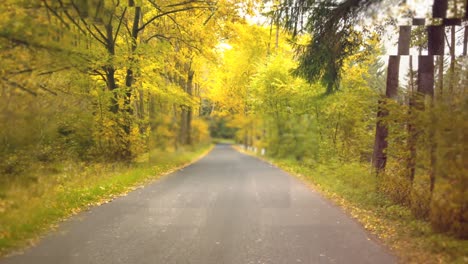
x=353 y=187
x=30 y=208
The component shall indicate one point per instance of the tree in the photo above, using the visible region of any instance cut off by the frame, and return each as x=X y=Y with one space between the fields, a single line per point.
x=229 y=91
x=117 y=50
x=333 y=36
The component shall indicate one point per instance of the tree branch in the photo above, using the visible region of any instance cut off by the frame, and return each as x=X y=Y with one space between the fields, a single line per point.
x=101 y=75
x=43 y=87
x=87 y=25
x=21 y=71
x=168 y=13
x=170 y=17
x=185 y=3
x=20 y=86
x=168 y=39
x=78 y=25
x=56 y=14
x=54 y=71
x=120 y=23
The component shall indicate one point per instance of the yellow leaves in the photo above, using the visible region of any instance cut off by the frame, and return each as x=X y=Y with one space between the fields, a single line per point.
x=121 y=102
x=229 y=90
x=200 y=131
x=303 y=40
x=135 y=132
x=4 y=205
x=108 y=123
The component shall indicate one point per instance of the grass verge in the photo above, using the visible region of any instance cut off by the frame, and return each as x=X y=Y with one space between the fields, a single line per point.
x=29 y=209
x=352 y=187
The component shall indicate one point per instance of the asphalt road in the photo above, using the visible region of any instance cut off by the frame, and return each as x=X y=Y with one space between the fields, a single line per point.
x=226 y=208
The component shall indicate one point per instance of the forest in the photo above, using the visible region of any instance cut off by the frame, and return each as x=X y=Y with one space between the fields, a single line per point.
x=371 y=93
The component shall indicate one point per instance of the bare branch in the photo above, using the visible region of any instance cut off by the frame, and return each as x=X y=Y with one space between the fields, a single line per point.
x=96 y=72
x=87 y=25
x=98 y=7
x=78 y=25
x=56 y=70
x=209 y=18
x=168 y=39
x=170 y=12
x=185 y=3
x=120 y=23
x=56 y=14
x=179 y=27
x=20 y=86
x=99 y=32
x=28 y=70
x=43 y=87
x=129 y=31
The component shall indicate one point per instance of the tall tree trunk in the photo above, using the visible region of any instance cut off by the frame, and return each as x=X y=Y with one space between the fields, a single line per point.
x=440 y=79
x=151 y=110
x=379 y=159
x=110 y=70
x=129 y=80
x=411 y=143
x=124 y=153
x=183 y=116
x=426 y=74
x=188 y=125
x=381 y=133
x=129 y=77
x=174 y=125
x=426 y=88
x=452 y=59
x=465 y=41
x=185 y=137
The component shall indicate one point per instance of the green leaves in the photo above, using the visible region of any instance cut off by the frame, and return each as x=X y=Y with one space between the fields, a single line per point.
x=331 y=25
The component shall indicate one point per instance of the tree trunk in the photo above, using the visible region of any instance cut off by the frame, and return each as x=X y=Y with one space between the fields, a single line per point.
x=188 y=125
x=110 y=70
x=426 y=88
x=379 y=159
x=129 y=78
x=452 y=59
x=174 y=125
x=426 y=73
x=411 y=143
x=185 y=137
x=465 y=41
x=381 y=133
x=440 y=79
x=465 y=44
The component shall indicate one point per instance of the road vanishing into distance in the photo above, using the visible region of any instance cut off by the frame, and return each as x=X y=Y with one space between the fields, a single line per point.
x=226 y=208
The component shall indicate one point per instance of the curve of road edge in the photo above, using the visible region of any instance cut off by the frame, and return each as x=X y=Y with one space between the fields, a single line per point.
x=228 y=207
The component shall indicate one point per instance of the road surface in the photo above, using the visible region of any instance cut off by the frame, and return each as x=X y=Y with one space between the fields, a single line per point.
x=226 y=208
